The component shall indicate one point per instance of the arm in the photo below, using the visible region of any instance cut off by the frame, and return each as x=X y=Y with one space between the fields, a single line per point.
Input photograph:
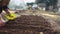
x=5 y=2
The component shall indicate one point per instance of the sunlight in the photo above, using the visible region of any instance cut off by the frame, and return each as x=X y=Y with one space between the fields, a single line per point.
x=29 y=1
x=49 y=15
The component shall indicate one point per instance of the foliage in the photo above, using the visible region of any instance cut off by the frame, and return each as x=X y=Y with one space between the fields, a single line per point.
x=30 y=3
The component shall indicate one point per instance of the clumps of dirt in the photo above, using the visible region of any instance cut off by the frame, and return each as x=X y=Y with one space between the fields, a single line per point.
x=28 y=24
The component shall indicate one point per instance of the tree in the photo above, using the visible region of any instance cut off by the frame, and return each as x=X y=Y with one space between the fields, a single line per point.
x=39 y=1
x=54 y=3
x=48 y=3
x=30 y=4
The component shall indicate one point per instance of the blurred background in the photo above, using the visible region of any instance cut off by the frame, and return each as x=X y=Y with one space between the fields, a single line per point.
x=51 y=5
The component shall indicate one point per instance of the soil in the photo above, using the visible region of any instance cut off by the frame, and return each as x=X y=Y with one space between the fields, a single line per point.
x=28 y=24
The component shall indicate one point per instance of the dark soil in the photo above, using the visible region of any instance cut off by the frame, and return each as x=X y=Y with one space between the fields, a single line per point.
x=27 y=25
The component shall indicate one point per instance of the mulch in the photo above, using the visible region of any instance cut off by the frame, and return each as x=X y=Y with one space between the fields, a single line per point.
x=28 y=24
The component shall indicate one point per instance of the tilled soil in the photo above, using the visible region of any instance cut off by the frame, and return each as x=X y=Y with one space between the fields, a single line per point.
x=28 y=25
